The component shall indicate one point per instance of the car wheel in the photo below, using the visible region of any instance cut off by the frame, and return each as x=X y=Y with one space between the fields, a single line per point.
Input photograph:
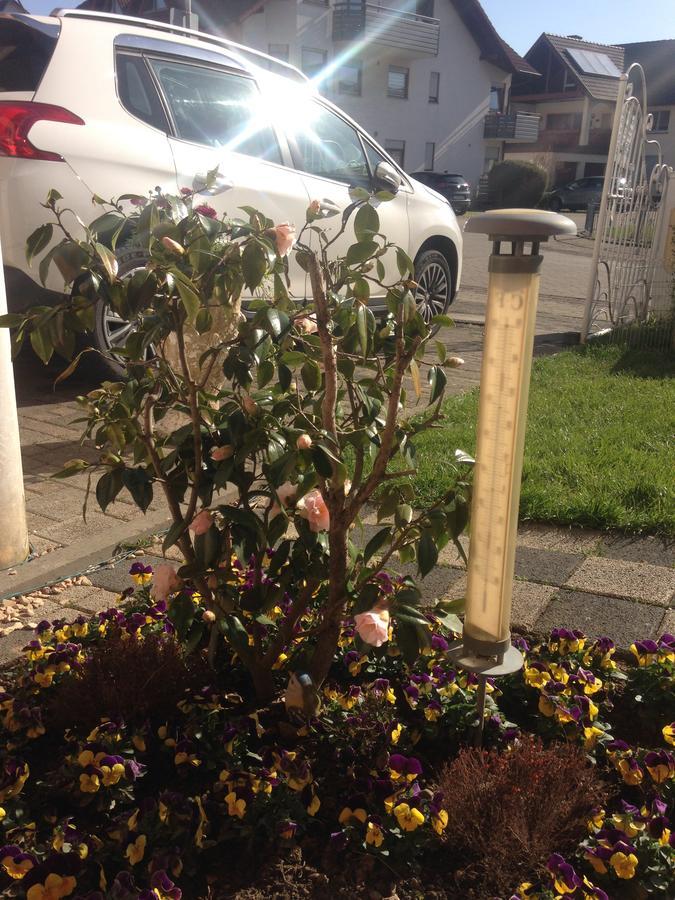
x=555 y=204
x=110 y=329
x=434 y=284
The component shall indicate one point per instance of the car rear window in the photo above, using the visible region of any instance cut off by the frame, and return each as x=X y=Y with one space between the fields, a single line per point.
x=25 y=51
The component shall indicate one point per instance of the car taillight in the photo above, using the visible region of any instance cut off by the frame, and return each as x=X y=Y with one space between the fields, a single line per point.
x=16 y=120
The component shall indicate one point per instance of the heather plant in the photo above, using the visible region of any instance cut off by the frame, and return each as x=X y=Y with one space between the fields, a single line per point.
x=250 y=424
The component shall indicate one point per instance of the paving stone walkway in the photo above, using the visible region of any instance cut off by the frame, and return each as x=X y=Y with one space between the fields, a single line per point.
x=620 y=587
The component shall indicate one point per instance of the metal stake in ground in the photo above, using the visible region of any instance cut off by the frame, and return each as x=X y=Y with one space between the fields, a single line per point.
x=513 y=290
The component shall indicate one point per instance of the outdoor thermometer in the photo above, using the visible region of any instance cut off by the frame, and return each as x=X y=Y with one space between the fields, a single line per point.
x=513 y=290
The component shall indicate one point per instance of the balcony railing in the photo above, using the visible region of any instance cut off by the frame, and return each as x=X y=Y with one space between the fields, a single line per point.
x=518 y=126
x=358 y=20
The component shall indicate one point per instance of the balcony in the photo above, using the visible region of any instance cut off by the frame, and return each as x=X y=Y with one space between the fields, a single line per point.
x=356 y=20
x=519 y=126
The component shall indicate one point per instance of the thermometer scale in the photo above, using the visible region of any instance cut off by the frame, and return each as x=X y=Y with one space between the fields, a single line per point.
x=513 y=291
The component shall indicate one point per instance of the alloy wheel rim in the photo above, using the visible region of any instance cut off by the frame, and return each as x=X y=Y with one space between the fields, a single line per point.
x=116 y=330
x=431 y=295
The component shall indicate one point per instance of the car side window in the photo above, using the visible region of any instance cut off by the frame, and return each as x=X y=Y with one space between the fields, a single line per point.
x=216 y=108
x=137 y=91
x=326 y=145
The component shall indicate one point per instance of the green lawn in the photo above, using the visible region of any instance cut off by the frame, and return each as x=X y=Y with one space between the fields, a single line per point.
x=600 y=447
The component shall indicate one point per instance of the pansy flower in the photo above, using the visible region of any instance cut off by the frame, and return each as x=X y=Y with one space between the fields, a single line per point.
x=404 y=768
x=374 y=834
x=661 y=765
x=565 y=879
x=645 y=652
x=624 y=862
x=140 y=574
x=668 y=732
x=349 y=816
x=54 y=887
x=161 y=888
x=136 y=849
x=236 y=806
x=408 y=817
x=15 y=862
x=565 y=641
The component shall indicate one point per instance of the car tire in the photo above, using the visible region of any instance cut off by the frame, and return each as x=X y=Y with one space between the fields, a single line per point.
x=433 y=294
x=555 y=204
x=109 y=328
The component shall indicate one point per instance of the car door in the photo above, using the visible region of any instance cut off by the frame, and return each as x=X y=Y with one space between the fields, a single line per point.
x=219 y=122
x=333 y=156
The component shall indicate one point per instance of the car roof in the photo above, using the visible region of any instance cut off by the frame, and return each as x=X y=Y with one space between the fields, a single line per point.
x=245 y=57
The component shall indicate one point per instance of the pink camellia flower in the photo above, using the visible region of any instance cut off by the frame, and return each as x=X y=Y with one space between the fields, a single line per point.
x=306 y=325
x=284 y=236
x=172 y=246
x=202 y=522
x=205 y=210
x=286 y=492
x=314 y=209
x=249 y=404
x=304 y=442
x=218 y=454
x=313 y=508
x=373 y=626
x=165 y=581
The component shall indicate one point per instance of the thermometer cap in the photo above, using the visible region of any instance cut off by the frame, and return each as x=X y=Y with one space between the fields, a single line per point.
x=520 y=224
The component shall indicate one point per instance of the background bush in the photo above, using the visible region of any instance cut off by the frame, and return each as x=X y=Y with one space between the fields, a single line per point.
x=514 y=183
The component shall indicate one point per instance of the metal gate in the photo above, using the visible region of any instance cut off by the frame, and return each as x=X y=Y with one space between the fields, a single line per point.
x=629 y=282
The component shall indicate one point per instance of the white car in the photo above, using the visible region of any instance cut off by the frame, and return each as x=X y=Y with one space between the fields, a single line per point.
x=101 y=104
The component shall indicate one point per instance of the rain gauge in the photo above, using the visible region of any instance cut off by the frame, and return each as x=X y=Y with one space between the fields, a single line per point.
x=513 y=289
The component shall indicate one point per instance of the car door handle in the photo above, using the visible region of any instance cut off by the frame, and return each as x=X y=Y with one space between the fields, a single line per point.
x=218 y=185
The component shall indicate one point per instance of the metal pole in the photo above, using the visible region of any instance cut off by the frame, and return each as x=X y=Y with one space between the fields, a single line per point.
x=14 y=534
x=602 y=215
x=481 y=694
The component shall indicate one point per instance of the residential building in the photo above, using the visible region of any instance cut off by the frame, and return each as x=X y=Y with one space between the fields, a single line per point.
x=657 y=58
x=429 y=79
x=575 y=98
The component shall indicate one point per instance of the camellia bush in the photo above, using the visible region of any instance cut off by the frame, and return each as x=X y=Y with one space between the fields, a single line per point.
x=267 y=432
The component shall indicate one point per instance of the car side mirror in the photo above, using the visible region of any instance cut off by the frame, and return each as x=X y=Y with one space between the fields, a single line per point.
x=387 y=177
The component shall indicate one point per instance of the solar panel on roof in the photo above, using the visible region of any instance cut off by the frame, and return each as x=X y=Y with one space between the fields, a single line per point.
x=590 y=62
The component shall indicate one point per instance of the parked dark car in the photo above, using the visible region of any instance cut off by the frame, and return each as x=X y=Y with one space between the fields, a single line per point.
x=455 y=188
x=577 y=194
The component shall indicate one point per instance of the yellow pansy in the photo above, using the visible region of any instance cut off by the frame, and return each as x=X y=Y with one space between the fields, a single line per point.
x=54 y=887
x=136 y=849
x=408 y=817
x=546 y=707
x=591 y=736
x=112 y=774
x=347 y=816
x=89 y=784
x=439 y=821
x=396 y=733
x=668 y=732
x=374 y=835
x=537 y=678
x=624 y=864
x=235 y=807
x=314 y=805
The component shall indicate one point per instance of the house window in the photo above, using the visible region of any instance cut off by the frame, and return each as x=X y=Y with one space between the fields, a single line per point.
x=563 y=121
x=312 y=61
x=569 y=81
x=425 y=8
x=397 y=82
x=434 y=84
x=349 y=79
x=661 y=121
x=496 y=99
x=429 y=154
x=278 y=51
x=396 y=149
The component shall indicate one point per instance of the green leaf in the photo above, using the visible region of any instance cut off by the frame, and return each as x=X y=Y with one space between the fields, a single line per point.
x=360 y=252
x=405 y=264
x=190 y=300
x=427 y=554
x=322 y=461
x=376 y=543
x=181 y=613
x=108 y=259
x=253 y=265
x=203 y=320
x=362 y=326
x=441 y=320
x=277 y=321
x=311 y=375
x=11 y=320
x=139 y=485
x=437 y=382
x=173 y=534
x=42 y=343
x=38 y=240
x=109 y=486
x=235 y=632
x=358 y=193
x=384 y=196
x=72 y=467
x=404 y=514
x=407 y=640
x=441 y=351
x=366 y=222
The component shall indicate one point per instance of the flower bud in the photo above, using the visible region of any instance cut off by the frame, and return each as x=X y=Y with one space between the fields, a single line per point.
x=304 y=442
x=454 y=362
x=314 y=209
x=218 y=454
x=208 y=617
x=172 y=246
x=249 y=404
